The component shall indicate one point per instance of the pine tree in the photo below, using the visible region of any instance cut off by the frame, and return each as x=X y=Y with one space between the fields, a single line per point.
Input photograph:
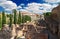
x=3 y=18
x=15 y=16
x=19 y=18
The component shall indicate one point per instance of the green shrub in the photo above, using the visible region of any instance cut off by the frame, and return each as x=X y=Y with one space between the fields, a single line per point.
x=26 y=18
x=47 y=14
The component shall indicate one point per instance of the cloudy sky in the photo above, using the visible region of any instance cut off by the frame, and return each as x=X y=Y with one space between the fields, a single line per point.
x=35 y=6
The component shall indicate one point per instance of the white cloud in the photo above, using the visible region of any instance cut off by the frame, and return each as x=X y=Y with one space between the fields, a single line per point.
x=22 y=4
x=2 y=1
x=8 y=5
x=24 y=10
x=31 y=7
x=38 y=8
x=19 y=7
x=52 y=1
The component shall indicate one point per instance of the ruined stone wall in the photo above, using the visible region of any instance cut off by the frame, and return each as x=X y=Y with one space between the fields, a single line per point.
x=56 y=17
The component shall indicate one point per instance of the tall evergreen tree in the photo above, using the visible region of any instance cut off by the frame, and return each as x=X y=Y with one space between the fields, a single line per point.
x=10 y=20
x=0 y=21
x=3 y=18
x=19 y=18
x=23 y=19
x=15 y=16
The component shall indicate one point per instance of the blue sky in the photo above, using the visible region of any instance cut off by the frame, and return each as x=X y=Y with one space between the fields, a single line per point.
x=18 y=2
x=34 y=6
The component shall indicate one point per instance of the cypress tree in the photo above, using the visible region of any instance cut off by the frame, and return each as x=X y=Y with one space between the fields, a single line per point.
x=15 y=16
x=10 y=20
x=0 y=21
x=19 y=18
x=23 y=19
x=3 y=18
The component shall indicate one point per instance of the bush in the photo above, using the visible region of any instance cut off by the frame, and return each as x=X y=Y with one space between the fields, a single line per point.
x=47 y=14
x=26 y=18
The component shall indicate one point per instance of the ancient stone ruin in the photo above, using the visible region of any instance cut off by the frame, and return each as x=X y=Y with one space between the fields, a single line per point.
x=43 y=29
x=53 y=22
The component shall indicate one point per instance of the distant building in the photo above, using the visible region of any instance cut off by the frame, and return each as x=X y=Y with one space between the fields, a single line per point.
x=33 y=16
